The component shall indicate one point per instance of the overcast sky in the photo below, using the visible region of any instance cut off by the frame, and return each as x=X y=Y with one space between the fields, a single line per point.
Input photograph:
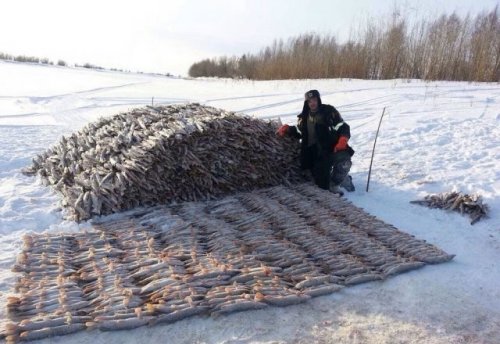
x=168 y=36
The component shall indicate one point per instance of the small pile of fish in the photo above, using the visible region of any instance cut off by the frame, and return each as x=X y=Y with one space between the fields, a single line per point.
x=246 y=251
x=158 y=155
x=455 y=201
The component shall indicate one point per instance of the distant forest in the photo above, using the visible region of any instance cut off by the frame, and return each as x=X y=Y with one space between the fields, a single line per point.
x=448 y=47
x=62 y=63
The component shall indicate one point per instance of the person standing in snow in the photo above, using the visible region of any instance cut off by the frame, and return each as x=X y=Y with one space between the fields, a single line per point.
x=324 y=143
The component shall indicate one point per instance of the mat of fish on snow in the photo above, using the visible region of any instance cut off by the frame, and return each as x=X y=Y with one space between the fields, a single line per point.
x=162 y=264
x=163 y=154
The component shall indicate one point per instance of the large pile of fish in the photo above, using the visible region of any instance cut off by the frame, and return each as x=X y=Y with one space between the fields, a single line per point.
x=246 y=251
x=157 y=155
x=459 y=202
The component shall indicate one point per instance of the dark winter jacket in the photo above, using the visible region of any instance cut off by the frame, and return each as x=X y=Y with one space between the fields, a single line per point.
x=329 y=127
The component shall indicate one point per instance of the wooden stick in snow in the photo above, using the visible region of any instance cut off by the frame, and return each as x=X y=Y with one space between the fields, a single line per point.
x=373 y=151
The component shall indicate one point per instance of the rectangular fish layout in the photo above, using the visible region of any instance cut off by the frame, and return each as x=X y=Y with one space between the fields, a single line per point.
x=272 y=247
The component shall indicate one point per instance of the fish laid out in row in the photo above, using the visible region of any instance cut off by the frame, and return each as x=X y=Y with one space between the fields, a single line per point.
x=165 y=154
x=455 y=201
x=247 y=251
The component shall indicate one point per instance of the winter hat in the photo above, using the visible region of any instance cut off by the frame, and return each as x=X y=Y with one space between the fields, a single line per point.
x=311 y=94
x=308 y=95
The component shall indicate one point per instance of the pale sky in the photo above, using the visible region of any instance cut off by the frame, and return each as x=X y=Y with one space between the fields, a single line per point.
x=168 y=36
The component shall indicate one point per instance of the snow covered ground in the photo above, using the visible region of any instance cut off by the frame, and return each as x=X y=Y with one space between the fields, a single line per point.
x=436 y=136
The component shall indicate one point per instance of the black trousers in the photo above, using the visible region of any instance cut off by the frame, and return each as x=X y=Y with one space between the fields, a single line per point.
x=320 y=163
x=326 y=166
x=341 y=167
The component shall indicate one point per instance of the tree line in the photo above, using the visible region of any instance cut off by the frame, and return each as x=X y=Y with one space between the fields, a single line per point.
x=29 y=59
x=62 y=63
x=448 y=47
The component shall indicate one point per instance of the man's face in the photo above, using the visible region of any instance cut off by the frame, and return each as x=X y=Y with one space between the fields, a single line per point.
x=313 y=103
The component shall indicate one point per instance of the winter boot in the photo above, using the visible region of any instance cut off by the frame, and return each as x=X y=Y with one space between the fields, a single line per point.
x=347 y=184
x=336 y=190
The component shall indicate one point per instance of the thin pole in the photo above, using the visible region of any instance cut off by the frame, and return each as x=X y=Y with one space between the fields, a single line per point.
x=373 y=151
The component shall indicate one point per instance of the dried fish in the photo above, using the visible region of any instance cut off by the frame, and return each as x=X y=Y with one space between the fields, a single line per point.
x=119 y=324
x=367 y=277
x=180 y=314
x=50 y=332
x=158 y=155
x=455 y=201
x=286 y=300
x=159 y=265
x=237 y=306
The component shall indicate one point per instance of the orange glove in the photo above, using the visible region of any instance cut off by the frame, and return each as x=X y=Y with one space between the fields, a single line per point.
x=283 y=130
x=341 y=144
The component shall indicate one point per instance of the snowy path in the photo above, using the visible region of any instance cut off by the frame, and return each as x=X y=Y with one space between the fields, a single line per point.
x=436 y=137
